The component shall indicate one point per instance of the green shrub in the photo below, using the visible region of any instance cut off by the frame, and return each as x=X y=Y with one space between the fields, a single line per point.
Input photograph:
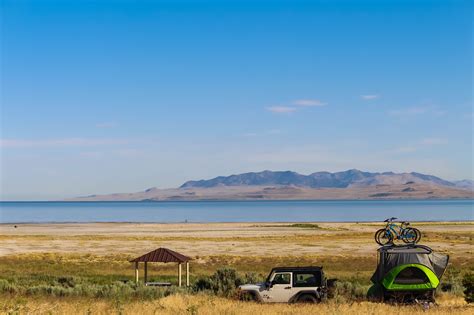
x=468 y=283
x=345 y=291
x=223 y=282
x=452 y=282
x=251 y=277
x=7 y=287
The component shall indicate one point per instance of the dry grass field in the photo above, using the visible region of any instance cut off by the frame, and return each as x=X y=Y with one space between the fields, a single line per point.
x=36 y=257
x=203 y=304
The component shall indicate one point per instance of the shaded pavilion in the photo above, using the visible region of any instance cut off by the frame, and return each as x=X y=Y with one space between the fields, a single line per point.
x=163 y=255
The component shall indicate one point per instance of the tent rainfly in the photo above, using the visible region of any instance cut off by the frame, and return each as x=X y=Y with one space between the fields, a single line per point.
x=407 y=273
x=164 y=255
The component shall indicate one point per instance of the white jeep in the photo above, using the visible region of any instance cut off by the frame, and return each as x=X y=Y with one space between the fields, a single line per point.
x=288 y=285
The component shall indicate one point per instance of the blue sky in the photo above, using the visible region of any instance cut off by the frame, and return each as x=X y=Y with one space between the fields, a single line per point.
x=119 y=96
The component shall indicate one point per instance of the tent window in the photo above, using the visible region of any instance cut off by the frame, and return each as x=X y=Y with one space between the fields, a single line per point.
x=411 y=275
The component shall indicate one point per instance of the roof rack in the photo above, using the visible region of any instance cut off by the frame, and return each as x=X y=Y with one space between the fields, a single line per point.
x=410 y=248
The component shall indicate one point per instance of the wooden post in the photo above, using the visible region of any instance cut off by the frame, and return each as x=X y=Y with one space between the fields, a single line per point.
x=146 y=272
x=179 y=274
x=136 y=271
x=187 y=273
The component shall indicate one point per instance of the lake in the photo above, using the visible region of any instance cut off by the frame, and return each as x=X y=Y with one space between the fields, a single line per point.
x=237 y=211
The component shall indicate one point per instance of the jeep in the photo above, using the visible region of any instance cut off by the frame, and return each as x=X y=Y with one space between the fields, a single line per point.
x=288 y=285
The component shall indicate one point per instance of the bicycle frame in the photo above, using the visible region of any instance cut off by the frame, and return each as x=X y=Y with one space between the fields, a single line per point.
x=392 y=227
x=395 y=229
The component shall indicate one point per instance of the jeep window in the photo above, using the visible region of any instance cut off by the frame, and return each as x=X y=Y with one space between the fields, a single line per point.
x=282 y=278
x=306 y=279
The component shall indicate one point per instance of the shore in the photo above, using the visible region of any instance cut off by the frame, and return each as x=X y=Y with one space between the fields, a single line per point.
x=204 y=239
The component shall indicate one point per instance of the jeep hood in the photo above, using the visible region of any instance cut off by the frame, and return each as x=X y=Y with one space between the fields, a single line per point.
x=252 y=287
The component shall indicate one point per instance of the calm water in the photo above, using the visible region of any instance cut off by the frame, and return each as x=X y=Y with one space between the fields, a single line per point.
x=236 y=211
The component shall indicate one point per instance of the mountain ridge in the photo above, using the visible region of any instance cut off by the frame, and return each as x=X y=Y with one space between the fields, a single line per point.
x=289 y=185
x=321 y=179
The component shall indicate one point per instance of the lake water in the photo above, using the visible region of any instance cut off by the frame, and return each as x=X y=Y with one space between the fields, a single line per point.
x=237 y=211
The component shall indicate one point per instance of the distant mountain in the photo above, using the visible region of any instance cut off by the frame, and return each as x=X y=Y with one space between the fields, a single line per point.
x=465 y=183
x=288 y=185
x=318 y=180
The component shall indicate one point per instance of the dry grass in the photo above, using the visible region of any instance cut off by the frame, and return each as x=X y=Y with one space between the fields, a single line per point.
x=203 y=304
x=99 y=254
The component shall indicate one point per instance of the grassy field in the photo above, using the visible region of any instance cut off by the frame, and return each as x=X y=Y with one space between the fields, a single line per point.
x=81 y=268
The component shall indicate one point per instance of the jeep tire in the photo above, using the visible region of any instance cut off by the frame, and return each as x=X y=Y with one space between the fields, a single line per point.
x=247 y=296
x=306 y=298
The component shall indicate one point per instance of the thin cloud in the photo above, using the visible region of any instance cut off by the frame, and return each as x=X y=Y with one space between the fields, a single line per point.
x=308 y=102
x=250 y=134
x=273 y=132
x=433 y=141
x=411 y=111
x=281 y=109
x=66 y=142
x=108 y=124
x=417 y=110
x=406 y=149
x=369 y=97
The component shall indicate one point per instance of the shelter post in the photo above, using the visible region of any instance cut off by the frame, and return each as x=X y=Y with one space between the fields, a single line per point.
x=136 y=271
x=179 y=274
x=187 y=273
x=146 y=271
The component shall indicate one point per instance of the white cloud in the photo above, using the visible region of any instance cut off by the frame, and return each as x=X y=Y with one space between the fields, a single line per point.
x=369 y=97
x=281 y=109
x=65 y=142
x=308 y=102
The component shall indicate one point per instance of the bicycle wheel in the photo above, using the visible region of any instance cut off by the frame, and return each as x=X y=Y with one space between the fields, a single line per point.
x=409 y=236
x=418 y=235
x=383 y=237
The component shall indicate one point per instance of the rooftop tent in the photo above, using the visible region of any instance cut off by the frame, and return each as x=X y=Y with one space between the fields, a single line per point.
x=412 y=267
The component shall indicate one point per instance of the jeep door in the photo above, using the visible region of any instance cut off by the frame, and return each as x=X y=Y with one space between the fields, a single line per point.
x=280 y=289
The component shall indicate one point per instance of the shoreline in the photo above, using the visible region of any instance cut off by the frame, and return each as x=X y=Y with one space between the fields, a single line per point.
x=239 y=200
x=232 y=222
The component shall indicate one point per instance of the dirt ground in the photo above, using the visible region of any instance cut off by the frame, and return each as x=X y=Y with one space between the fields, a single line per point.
x=193 y=239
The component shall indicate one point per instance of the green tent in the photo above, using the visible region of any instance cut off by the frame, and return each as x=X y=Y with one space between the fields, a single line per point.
x=412 y=270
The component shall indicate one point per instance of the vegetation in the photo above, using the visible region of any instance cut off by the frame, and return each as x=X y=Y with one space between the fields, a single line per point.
x=67 y=277
x=468 y=283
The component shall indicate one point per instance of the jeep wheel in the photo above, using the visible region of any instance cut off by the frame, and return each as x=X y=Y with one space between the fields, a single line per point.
x=247 y=296
x=306 y=298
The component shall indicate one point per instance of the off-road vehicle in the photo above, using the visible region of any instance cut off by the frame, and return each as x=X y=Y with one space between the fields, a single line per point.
x=288 y=285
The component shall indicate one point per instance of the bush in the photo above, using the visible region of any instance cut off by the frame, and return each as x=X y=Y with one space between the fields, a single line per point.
x=468 y=283
x=345 y=291
x=452 y=282
x=223 y=282
x=80 y=287
x=7 y=287
x=251 y=277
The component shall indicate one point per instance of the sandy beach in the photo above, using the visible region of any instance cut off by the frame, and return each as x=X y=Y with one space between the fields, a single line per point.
x=251 y=239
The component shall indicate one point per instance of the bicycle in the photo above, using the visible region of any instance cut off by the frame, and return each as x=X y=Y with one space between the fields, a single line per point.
x=393 y=231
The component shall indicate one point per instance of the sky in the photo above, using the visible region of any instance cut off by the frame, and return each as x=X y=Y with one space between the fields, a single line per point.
x=119 y=96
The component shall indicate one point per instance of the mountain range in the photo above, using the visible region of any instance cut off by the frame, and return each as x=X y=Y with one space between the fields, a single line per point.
x=287 y=185
x=320 y=179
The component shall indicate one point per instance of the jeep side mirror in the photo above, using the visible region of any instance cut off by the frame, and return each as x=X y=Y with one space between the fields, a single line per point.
x=270 y=284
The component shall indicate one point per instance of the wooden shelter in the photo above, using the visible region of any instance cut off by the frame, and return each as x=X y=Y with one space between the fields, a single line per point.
x=163 y=255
